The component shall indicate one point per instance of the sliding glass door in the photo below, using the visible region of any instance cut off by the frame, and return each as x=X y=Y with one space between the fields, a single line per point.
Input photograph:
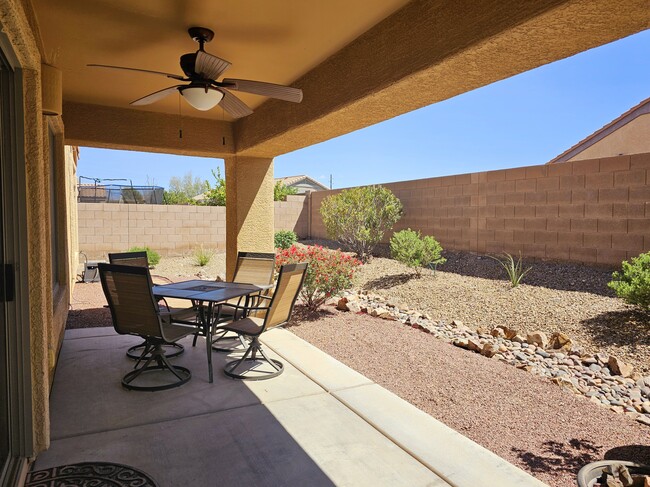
x=16 y=442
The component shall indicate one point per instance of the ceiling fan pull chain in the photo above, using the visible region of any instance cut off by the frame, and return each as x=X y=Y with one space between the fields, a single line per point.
x=180 y=117
x=223 y=117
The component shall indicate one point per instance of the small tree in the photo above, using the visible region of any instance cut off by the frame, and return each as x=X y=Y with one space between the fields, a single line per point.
x=413 y=250
x=359 y=217
x=281 y=191
x=181 y=191
x=632 y=283
x=216 y=196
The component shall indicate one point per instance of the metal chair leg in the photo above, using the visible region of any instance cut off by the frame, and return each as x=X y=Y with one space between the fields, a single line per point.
x=252 y=350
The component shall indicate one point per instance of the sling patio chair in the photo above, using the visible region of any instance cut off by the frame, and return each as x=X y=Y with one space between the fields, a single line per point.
x=256 y=268
x=139 y=259
x=135 y=311
x=259 y=319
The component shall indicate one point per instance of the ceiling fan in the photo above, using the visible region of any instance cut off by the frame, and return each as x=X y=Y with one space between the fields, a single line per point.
x=203 y=91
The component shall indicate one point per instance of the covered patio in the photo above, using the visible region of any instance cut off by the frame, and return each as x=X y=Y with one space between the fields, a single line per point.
x=357 y=63
x=320 y=423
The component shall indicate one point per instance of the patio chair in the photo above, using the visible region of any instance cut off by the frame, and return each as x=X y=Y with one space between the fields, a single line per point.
x=139 y=259
x=135 y=311
x=252 y=268
x=277 y=313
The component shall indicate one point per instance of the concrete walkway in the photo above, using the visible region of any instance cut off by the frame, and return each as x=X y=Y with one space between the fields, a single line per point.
x=319 y=423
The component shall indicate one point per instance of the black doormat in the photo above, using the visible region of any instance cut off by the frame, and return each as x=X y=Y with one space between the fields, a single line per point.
x=89 y=474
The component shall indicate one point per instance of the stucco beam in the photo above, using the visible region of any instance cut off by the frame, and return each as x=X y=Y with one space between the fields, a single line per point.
x=122 y=128
x=431 y=51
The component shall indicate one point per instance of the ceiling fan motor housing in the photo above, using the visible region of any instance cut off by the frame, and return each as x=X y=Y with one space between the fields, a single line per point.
x=187 y=64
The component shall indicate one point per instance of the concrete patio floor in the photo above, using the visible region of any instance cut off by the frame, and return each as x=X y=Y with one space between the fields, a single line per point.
x=319 y=423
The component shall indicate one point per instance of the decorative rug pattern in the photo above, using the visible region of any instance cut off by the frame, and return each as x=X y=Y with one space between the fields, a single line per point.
x=90 y=474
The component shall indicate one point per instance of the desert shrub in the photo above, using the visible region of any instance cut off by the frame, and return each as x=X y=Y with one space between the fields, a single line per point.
x=153 y=257
x=413 y=250
x=284 y=239
x=632 y=283
x=202 y=256
x=281 y=191
x=328 y=273
x=514 y=269
x=359 y=217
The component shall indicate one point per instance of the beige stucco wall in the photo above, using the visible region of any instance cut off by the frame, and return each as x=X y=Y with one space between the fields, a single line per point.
x=631 y=138
x=47 y=310
x=169 y=229
x=595 y=211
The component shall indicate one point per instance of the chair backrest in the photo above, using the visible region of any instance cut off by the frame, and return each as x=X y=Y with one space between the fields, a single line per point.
x=290 y=281
x=138 y=259
x=132 y=304
x=254 y=268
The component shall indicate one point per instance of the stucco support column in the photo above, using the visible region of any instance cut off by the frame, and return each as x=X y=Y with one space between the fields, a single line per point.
x=249 y=207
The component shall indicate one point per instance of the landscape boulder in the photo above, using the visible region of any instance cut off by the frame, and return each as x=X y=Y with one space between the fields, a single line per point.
x=560 y=341
x=537 y=338
x=618 y=367
x=342 y=305
x=490 y=350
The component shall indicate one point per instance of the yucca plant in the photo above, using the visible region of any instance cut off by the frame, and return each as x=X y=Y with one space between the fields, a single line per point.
x=202 y=256
x=514 y=269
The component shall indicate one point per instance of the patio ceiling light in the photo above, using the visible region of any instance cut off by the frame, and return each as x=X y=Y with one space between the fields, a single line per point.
x=201 y=97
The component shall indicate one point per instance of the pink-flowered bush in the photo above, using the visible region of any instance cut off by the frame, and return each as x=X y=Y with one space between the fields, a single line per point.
x=329 y=272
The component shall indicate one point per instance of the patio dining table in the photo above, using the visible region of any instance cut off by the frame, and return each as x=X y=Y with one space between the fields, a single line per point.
x=210 y=293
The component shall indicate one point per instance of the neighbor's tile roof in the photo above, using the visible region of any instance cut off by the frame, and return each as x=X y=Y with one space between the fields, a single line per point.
x=635 y=112
x=289 y=180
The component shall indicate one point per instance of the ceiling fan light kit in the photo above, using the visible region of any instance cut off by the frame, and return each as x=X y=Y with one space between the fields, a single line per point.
x=204 y=92
x=201 y=97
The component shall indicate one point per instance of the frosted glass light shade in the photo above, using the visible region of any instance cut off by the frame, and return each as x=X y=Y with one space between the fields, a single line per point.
x=201 y=98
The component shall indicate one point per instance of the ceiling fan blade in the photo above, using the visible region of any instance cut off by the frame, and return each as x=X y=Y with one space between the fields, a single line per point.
x=169 y=75
x=209 y=66
x=272 y=90
x=233 y=105
x=155 y=96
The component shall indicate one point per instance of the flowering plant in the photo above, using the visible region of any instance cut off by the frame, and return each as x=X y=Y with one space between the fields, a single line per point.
x=328 y=273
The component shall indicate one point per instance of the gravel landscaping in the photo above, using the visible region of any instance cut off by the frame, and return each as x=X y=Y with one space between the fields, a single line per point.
x=523 y=417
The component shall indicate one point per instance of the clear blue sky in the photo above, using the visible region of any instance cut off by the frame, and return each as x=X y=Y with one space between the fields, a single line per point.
x=524 y=120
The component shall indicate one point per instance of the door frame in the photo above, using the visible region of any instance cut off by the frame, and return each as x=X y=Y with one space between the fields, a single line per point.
x=18 y=358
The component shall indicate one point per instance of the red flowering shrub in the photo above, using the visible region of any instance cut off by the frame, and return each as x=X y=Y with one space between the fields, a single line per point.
x=328 y=273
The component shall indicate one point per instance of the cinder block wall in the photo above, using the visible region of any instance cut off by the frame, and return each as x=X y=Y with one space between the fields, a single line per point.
x=293 y=214
x=592 y=211
x=170 y=230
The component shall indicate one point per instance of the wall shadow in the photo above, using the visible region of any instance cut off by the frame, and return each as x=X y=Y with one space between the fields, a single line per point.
x=563 y=276
x=387 y=282
x=560 y=457
x=88 y=318
x=622 y=327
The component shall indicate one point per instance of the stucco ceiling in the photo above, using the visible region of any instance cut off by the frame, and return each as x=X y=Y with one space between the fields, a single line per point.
x=268 y=40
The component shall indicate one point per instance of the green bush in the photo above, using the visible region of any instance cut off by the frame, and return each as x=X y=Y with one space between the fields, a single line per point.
x=413 y=250
x=281 y=191
x=153 y=257
x=284 y=239
x=359 y=217
x=328 y=273
x=632 y=283
x=202 y=256
x=514 y=269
